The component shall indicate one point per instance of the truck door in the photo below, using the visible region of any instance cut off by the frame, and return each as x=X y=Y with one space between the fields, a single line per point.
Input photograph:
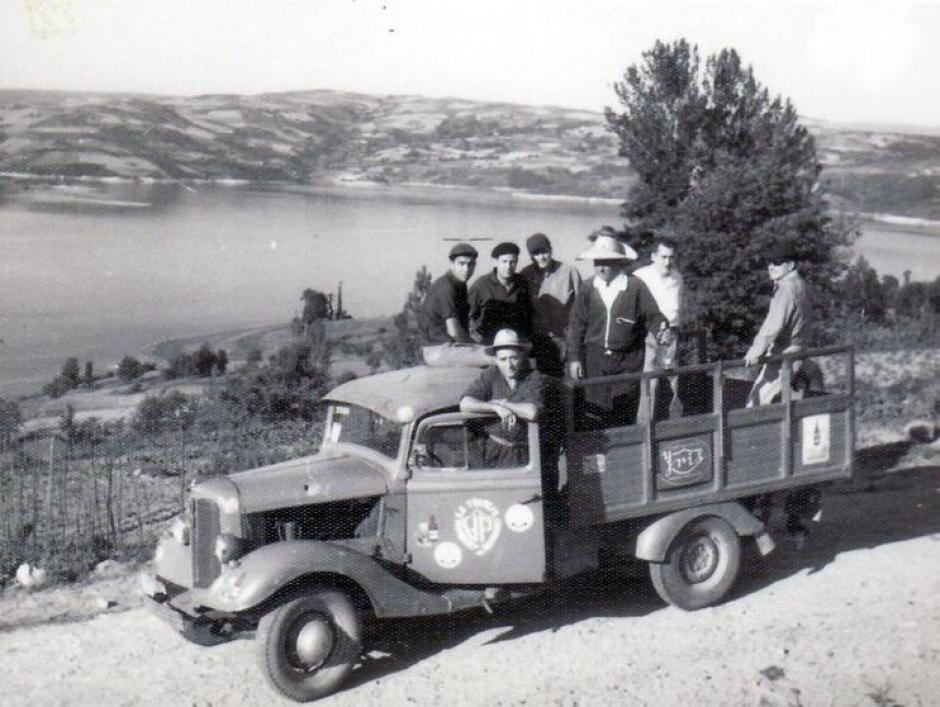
x=474 y=512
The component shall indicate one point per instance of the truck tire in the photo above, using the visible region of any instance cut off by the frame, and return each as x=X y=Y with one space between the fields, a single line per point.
x=308 y=646
x=701 y=564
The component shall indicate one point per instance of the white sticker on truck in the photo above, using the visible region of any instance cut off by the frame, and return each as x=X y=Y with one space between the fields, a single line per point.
x=519 y=518
x=815 y=439
x=448 y=555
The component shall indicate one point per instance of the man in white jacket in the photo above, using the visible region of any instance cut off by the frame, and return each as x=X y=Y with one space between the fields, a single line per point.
x=664 y=282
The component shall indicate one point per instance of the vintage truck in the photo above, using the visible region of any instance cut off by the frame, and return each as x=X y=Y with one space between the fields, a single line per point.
x=399 y=515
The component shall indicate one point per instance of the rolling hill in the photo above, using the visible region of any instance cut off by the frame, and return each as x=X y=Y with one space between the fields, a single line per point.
x=329 y=136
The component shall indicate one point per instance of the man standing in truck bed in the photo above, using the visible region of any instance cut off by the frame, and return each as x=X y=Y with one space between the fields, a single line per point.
x=500 y=299
x=786 y=328
x=553 y=286
x=610 y=319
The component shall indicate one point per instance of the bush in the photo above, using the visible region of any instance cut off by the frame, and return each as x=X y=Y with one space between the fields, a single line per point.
x=129 y=369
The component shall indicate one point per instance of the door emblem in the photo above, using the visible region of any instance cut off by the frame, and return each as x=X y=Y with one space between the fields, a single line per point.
x=478 y=525
x=519 y=518
x=448 y=555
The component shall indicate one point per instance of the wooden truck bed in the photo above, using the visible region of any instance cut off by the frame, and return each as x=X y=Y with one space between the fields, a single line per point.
x=719 y=450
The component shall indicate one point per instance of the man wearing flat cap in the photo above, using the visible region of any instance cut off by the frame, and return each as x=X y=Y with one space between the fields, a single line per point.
x=500 y=299
x=445 y=312
x=553 y=286
x=607 y=330
x=787 y=326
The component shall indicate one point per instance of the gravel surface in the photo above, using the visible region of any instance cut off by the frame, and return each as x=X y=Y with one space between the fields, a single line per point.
x=852 y=619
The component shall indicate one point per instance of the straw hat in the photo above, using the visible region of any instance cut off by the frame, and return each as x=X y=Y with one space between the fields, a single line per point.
x=507 y=339
x=608 y=248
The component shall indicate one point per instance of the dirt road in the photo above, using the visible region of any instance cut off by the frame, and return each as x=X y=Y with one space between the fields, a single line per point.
x=853 y=619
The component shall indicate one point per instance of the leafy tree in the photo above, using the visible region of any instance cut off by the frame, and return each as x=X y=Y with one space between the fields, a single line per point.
x=129 y=368
x=863 y=293
x=165 y=413
x=221 y=361
x=203 y=361
x=70 y=372
x=730 y=171
x=67 y=424
x=316 y=306
x=403 y=349
x=89 y=373
x=287 y=387
x=10 y=420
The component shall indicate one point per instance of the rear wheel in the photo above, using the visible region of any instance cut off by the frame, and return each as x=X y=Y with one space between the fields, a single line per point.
x=701 y=564
x=308 y=646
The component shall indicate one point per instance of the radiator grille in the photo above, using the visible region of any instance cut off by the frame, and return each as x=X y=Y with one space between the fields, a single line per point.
x=206 y=529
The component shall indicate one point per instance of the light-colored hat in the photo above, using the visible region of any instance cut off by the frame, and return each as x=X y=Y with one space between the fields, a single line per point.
x=507 y=339
x=608 y=248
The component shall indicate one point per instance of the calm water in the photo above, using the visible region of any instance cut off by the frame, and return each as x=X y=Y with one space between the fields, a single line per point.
x=98 y=280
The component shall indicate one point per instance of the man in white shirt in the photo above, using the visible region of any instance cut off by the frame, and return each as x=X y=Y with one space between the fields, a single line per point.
x=664 y=282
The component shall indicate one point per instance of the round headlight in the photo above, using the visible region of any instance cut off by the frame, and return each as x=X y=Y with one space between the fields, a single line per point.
x=228 y=548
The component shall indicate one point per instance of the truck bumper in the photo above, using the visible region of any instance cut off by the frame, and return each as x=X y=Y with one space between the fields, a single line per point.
x=196 y=629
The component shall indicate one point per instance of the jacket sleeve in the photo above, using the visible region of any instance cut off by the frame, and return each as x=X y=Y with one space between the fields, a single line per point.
x=781 y=304
x=577 y=324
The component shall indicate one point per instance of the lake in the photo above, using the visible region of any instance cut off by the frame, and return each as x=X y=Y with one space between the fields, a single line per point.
x=105 y=270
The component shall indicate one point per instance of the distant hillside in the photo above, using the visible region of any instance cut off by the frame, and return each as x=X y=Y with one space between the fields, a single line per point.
x=316 y=136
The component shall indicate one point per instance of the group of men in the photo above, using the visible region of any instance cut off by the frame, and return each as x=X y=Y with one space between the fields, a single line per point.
x=616 y=322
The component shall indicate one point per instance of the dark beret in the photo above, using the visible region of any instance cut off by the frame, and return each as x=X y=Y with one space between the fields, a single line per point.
x=537 y=242
x=463 y=249
x=504 y=248
x=782 y=252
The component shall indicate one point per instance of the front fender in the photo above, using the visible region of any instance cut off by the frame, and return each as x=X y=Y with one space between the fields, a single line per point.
x=653 y=543
x=259 y=575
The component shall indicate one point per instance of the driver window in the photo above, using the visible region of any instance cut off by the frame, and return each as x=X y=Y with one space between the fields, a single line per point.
x=446 y=447
x=477 y=444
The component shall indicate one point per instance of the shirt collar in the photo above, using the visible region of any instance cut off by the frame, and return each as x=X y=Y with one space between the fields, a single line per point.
x=618 y=284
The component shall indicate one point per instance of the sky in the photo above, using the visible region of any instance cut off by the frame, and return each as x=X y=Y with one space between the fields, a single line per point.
x=867 y=61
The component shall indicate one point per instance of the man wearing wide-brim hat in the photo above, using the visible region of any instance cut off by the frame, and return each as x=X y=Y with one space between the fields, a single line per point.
x=607 y=330
x=512 y=390
x=787 y=326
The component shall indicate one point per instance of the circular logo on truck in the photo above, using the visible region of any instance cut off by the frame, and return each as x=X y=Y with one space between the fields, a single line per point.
x=478 y=524
x=448 y=555
x=519 y=518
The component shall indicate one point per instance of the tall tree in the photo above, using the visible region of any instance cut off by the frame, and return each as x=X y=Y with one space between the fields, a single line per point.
x=730 y=171
x=404 y=348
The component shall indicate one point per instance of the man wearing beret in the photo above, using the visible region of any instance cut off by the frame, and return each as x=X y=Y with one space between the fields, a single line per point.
x=553 y=286
x=500 y=299
x=445 y=311
x=610 y=319
x=787 y=326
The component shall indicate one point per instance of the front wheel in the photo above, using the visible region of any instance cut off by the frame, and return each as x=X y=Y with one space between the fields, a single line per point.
x=308 y=646
x=701 y=564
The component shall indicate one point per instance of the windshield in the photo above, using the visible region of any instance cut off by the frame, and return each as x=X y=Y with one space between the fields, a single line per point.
x=351 y=424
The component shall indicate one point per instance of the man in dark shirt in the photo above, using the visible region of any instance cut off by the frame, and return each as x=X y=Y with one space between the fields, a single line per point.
x=609 y=322
x=513 y=391
x=553 y=286
x=500 y=299
x=445 y=311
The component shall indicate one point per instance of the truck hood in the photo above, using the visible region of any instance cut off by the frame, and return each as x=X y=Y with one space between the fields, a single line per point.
x=323 y=477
